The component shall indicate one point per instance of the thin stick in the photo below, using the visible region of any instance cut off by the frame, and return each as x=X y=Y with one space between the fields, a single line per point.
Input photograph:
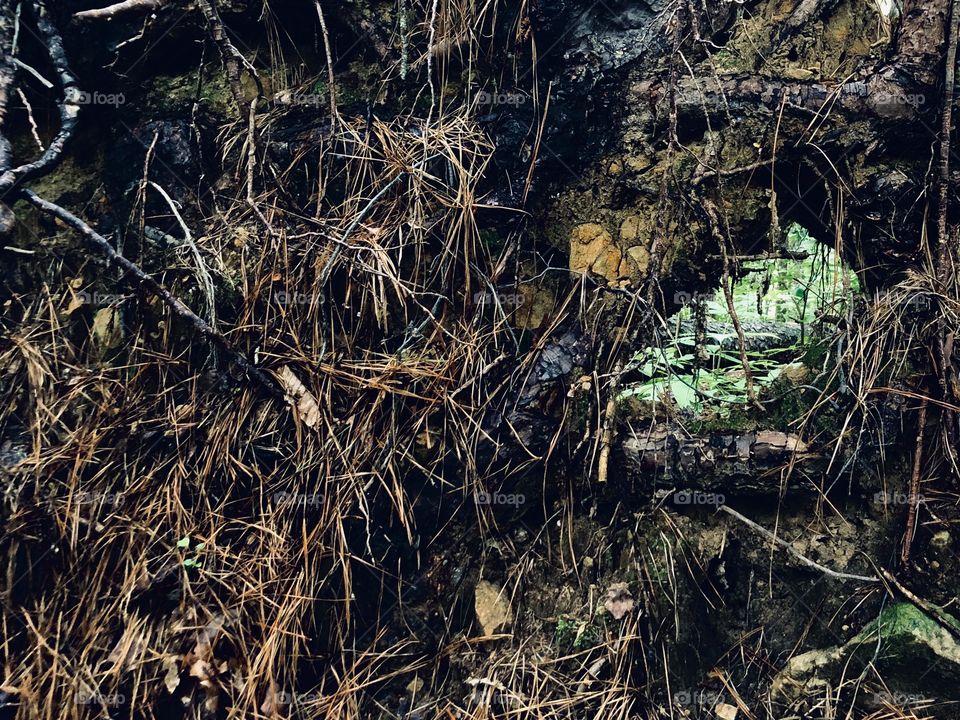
x=609 y=421
x=8 y=30
x=914 y=486
x=328 y=268
x=790 y=549
x=944 y=255
x=331 y=83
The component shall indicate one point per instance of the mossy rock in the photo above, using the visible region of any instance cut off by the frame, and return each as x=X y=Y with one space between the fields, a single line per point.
x=904 y=644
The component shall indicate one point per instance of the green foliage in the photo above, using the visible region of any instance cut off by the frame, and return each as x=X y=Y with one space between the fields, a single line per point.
x=577 y=634
x=789 y=291
x=718 y=380
x=194 y=561
x=710 y=379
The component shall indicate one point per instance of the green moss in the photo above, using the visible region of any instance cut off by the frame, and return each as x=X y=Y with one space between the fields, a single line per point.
x=576 y=634
x=737 y=420
x=904 y=619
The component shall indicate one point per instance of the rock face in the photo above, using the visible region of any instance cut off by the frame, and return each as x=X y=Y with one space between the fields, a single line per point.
x=592 y=250
x=910 y=651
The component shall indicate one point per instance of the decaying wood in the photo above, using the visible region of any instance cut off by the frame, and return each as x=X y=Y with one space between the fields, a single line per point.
x=232 y=58
x=745 y=463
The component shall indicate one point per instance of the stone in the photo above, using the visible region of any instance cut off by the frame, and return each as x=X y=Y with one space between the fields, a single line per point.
x=619 y=600
x=725 y=711
x=592 y=249
x=492 y=607
x=640 y=257
x=630 y=229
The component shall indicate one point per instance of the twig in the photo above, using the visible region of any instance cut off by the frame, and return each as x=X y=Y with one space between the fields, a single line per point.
x=252 y=164
x=698 y=179
x=104 y=248
x=914 y=486
x=33 y=71
x=328 y=268
x=945 y=258
x=8 y=23
x=726 y=282
x=781 y=255
x=789 y=548
x=331 y=83
x=609 y=421
x=946 y=128
x=204 y=278
x=111 y=11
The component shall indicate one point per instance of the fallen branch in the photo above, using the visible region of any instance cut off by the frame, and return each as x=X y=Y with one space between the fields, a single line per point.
x=102 y=246
x=945 y=259
x=609 y=423
x=111 y=11
x=331 y=82
x=929 y=608
x=790 y=549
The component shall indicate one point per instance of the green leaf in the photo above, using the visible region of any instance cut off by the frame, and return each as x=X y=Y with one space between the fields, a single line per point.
x=184 y=542
x=684 y=395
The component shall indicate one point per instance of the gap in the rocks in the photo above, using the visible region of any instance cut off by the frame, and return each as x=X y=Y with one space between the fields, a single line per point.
x=785 y=306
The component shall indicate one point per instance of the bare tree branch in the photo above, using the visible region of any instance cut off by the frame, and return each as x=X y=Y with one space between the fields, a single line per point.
x=111 y=11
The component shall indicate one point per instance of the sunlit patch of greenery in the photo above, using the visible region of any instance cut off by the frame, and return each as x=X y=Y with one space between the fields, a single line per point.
x=795 y=292
x=789 y=291
x=720 y=381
